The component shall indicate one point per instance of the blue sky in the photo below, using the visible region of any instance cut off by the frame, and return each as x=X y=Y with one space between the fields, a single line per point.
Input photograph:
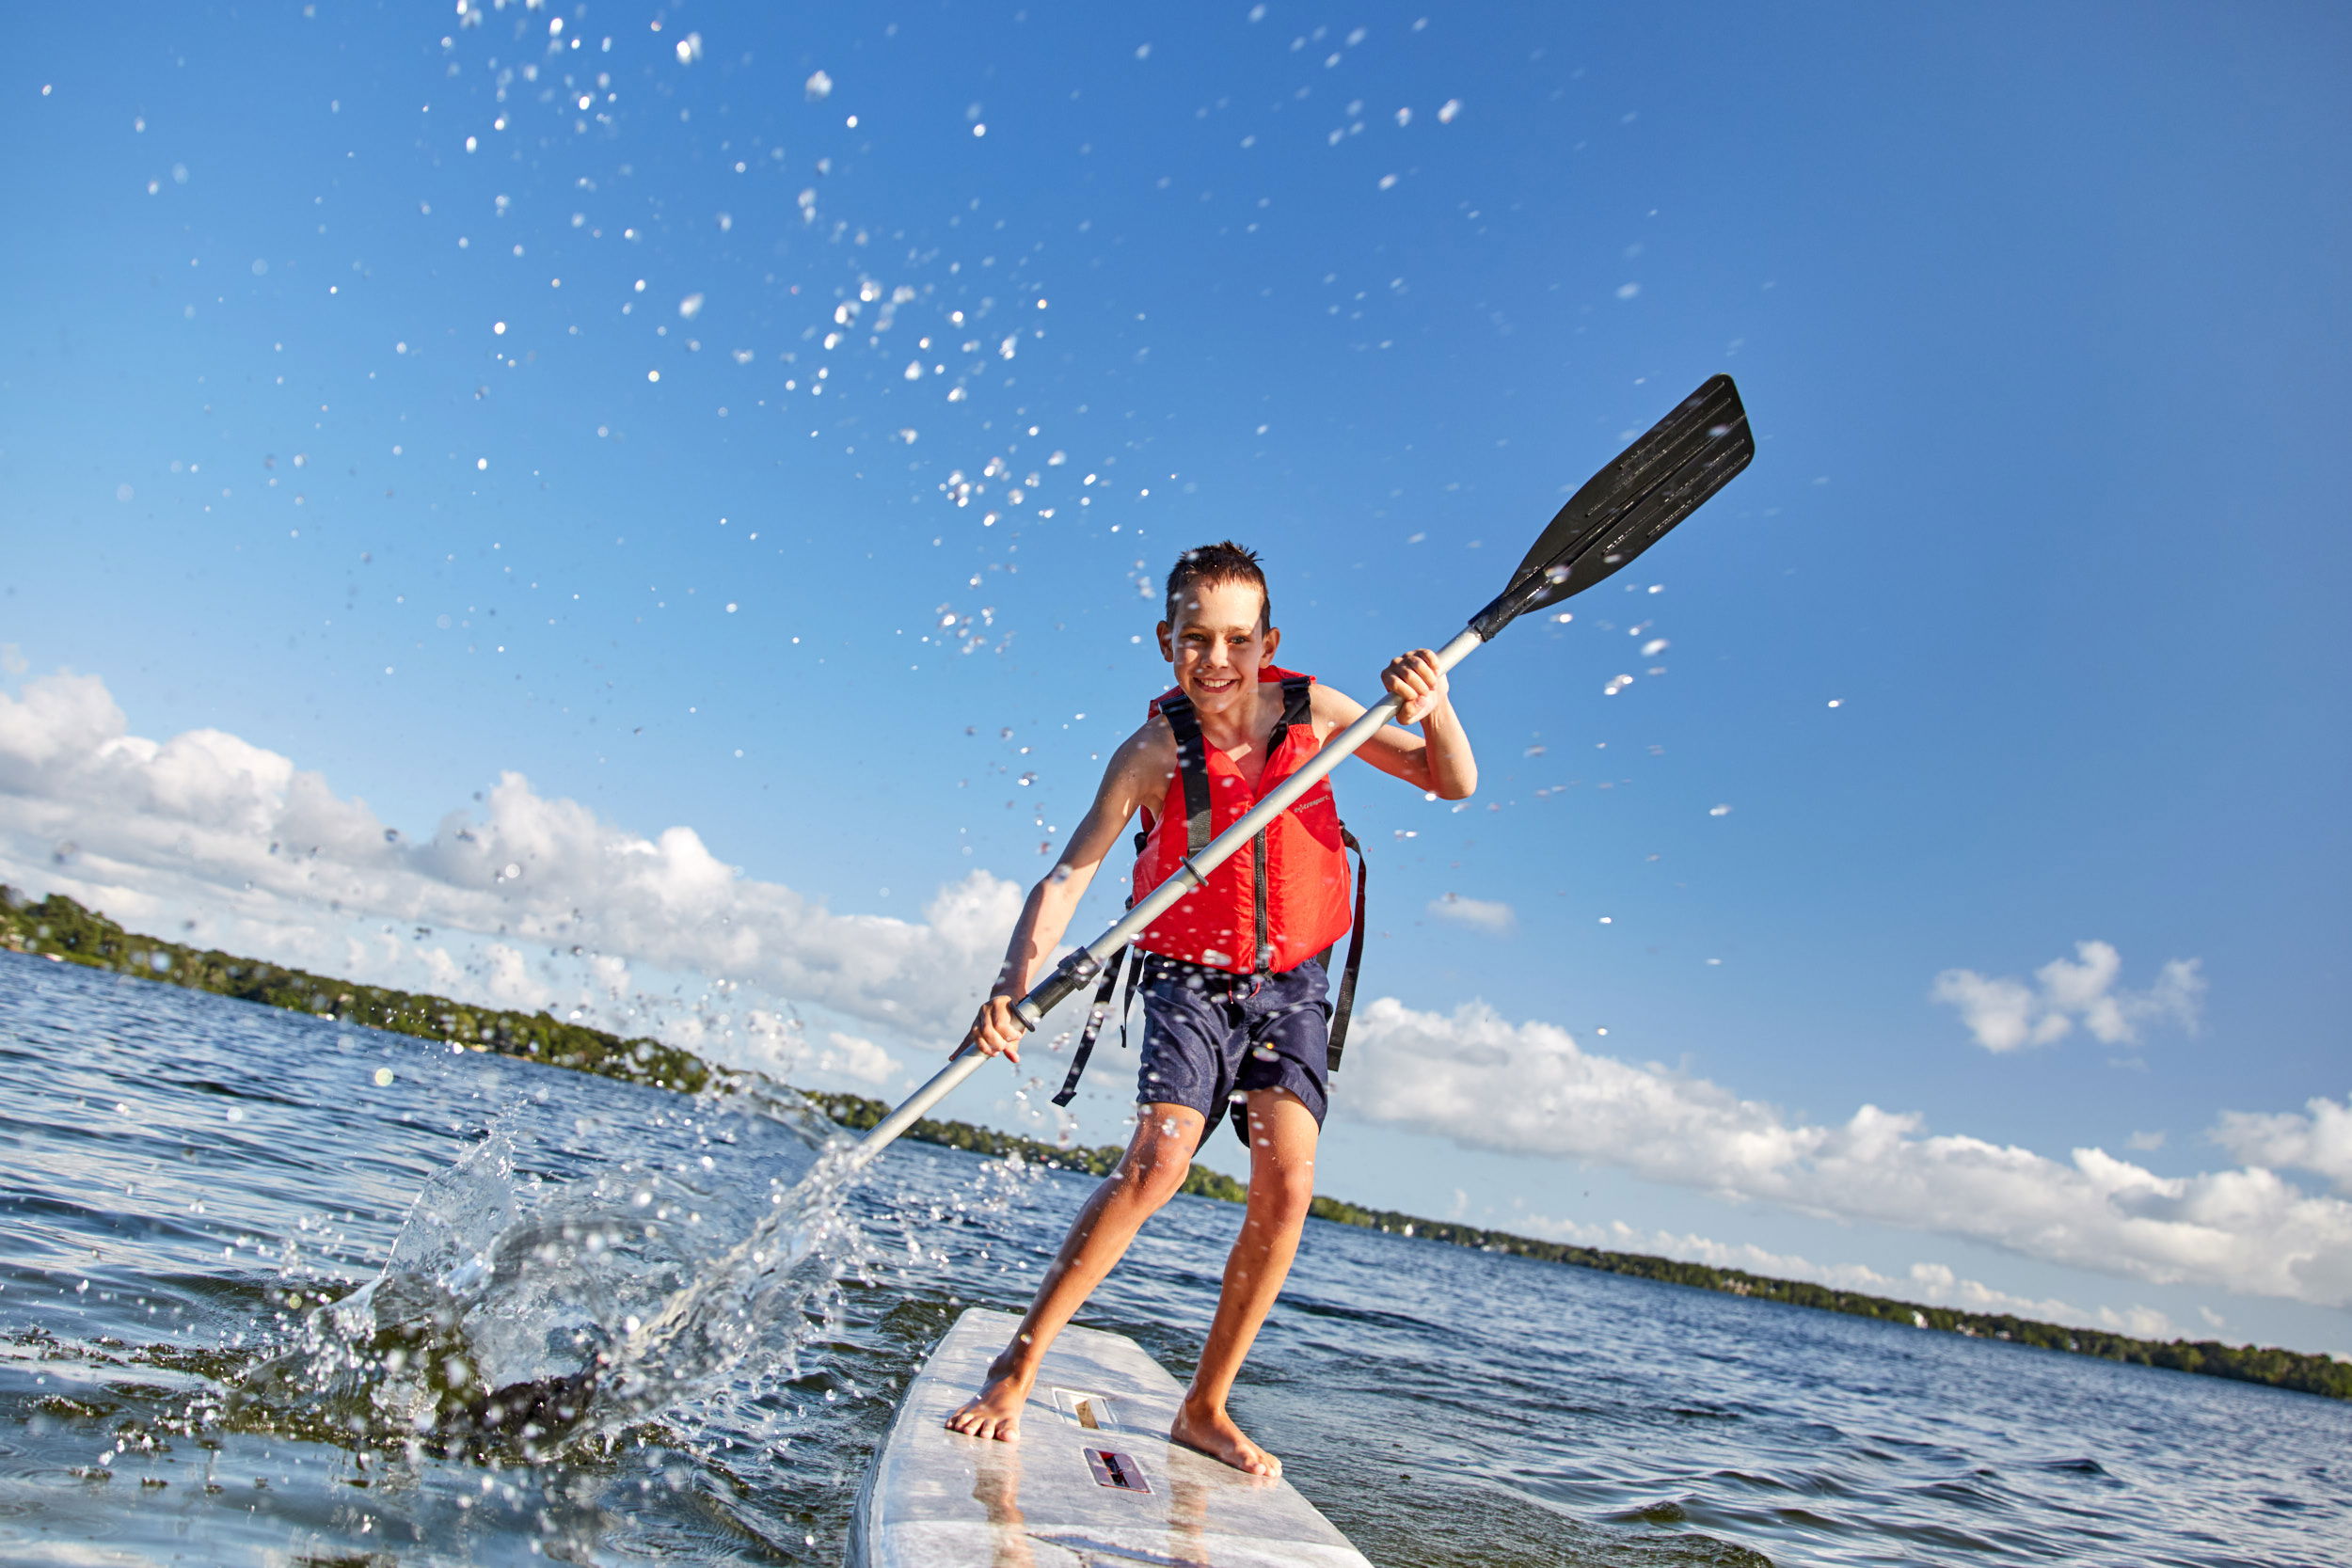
x=329 y=433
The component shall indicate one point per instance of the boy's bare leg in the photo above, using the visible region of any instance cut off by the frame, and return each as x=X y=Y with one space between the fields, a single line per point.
x=1158 y=1158
x=1283 y=1133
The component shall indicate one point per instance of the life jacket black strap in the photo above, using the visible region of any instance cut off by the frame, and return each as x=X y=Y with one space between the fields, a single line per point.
x=1265 y=964
x=1297 y=702
x=1098 y=1014
x=1192 y=766
x=1346 y=1002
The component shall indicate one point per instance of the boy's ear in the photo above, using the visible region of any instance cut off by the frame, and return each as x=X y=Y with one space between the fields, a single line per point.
x=1167 y=649
x=1273 y=641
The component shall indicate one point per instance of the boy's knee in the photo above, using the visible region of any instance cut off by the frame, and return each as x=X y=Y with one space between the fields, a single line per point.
x=1289 y=1193
x=1156 y=1164
x=1156 y=1174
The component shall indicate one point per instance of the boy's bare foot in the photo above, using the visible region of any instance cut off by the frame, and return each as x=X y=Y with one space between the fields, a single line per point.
x=995 y=1410
x=1212 y=1431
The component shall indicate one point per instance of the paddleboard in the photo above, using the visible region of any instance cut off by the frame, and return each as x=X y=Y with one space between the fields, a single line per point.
x=1092 y=1482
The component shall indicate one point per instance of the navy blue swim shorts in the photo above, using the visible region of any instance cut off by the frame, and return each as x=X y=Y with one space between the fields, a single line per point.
x=1210 y=1035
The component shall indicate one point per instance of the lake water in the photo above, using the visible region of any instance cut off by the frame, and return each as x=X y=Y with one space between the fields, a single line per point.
x=184 y=1180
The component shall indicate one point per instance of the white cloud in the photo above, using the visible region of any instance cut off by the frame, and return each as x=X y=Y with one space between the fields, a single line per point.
x=207 y=825
x=2006 y=1013
x=858 y=1058
x=2144 y=1143
x=1928 y=1284
x=2000 y=1013
x=612 y=975
x=1480 y=913
x=780 y=1044
x=509 y=982
x=1527 y=1088
x=2320 y=1142
x=1941 y=1287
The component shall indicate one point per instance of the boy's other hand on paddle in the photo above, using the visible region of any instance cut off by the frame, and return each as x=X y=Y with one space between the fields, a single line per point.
x=1416 y=683
x=996 y=1029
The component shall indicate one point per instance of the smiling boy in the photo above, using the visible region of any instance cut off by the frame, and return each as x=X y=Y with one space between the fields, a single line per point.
x=1234 y=986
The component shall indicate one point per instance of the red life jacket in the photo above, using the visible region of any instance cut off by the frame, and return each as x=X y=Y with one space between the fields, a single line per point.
x=1283 y=898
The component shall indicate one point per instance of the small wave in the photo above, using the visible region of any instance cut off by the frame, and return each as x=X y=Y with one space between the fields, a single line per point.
x=1665 y=1512
x=233 y=1091
x=1755 y=1479
x=1370 y=1315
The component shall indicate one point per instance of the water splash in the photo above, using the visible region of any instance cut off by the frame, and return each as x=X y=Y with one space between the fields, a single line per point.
x=524 y=1311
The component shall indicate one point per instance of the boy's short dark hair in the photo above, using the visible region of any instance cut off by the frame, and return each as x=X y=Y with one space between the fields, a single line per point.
x=1212 y=564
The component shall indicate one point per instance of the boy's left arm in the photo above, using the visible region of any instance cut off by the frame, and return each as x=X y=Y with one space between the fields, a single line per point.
x=1437 y=760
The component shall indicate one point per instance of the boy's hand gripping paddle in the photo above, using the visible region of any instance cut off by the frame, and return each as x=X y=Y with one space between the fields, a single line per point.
x=1622 y=510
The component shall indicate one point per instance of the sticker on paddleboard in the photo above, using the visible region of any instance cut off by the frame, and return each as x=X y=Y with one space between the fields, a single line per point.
x=1090 y=1411
x=1117 y=1470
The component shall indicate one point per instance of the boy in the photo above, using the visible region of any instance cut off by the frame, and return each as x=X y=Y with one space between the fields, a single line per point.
x=1233 y=994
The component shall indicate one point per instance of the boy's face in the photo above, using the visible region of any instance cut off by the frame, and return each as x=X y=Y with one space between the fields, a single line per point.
x=1218 y=642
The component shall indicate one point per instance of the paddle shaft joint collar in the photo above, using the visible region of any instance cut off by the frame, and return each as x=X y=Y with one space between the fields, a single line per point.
x=1072 y=974
x=1509 y=605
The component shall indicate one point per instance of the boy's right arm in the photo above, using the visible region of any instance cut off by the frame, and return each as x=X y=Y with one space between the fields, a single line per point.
x=1135 y=777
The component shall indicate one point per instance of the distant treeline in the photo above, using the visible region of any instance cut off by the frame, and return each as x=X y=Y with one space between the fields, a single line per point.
x=62 y=928
x=59 y=927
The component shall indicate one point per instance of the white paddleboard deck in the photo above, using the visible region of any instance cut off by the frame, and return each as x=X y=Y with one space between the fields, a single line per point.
x=1092 y=1482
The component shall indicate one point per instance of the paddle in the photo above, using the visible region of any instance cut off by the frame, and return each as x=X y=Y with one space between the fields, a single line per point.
x=1621 y=511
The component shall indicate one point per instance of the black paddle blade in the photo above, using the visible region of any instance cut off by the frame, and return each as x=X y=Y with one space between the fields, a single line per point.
x=1624 y=508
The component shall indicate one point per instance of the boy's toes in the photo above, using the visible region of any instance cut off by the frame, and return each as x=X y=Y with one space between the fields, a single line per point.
x=1212 y=1433
x=995 y=1412
x=976 y=1419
